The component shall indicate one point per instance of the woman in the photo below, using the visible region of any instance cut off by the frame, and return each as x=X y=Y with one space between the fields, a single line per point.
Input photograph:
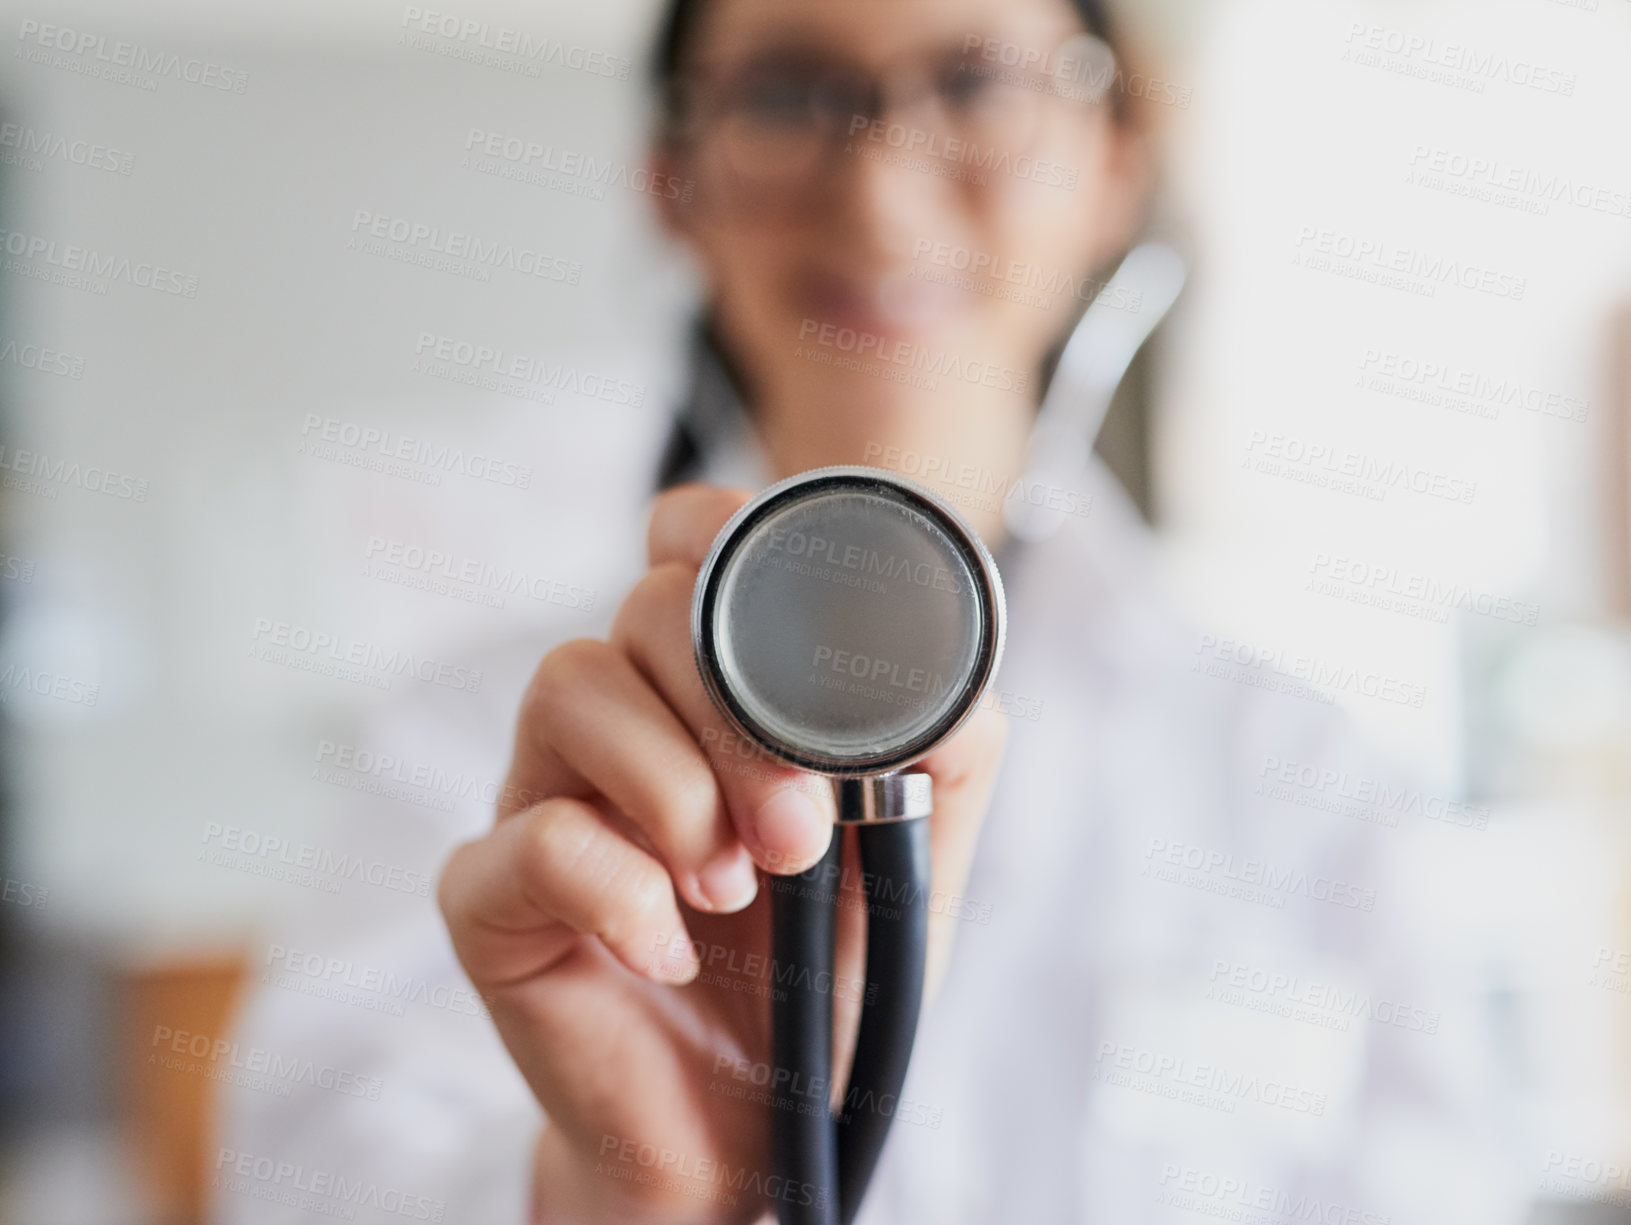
x=1079 y=1058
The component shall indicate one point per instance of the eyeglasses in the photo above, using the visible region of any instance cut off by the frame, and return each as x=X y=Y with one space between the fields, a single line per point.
x=775 y=125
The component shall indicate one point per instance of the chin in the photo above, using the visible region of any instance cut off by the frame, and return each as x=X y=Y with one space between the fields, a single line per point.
x=883 y=402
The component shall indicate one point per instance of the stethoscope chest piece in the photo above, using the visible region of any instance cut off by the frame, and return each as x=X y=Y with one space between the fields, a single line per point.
x=847 y=621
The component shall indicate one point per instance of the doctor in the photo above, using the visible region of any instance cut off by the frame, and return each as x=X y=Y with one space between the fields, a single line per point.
x=1165 y=983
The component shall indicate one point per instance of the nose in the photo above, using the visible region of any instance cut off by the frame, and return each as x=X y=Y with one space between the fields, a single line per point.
x=893 y=187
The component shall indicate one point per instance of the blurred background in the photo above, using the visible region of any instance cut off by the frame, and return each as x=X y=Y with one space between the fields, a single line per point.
x=222 y=302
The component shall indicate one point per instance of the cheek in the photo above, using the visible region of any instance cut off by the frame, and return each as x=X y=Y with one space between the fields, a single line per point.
x=748 y=272
x=1045 y=234
x=1054 y=216
x=1042 y=227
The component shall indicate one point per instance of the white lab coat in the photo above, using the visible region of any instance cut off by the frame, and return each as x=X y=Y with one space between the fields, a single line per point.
x=1079 y=1064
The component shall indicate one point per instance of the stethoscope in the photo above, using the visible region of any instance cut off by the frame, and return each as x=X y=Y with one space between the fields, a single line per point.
x=848 y=621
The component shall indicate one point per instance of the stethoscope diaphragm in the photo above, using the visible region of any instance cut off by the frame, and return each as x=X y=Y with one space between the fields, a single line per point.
x=847 y=621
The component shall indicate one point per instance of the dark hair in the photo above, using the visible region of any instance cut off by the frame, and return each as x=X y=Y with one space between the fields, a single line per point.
x=682 y=17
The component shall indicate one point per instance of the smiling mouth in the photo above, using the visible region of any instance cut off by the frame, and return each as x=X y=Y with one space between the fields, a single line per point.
x=897 y=303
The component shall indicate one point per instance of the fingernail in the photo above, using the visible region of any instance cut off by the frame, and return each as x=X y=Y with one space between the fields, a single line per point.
x=728 y=880
x=791 y=828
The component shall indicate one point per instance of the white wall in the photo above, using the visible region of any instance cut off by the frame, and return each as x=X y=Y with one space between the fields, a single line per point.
x=206 y=398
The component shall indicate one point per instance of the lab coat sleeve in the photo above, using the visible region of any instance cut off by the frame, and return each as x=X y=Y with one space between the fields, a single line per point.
x=381 y=1080
x=393 y=1096
x=419 y=1115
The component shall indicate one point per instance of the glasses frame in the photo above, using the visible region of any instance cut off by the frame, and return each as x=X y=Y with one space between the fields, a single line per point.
x=885 y=92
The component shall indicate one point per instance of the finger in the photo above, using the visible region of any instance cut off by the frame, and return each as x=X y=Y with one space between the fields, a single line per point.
x=517 y=900
x=685 y=520
x=783 y=814
x=591 y=710
x=537 y=772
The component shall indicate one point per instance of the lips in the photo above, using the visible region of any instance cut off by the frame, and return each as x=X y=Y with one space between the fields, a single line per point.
x=897 y=303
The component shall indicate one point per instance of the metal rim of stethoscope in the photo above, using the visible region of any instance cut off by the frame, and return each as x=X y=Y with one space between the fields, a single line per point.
x=970 y=548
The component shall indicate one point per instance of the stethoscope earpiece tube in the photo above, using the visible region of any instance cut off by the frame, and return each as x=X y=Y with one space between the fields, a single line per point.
x=895 y=866
x=803 y=1144
x=812 y=1151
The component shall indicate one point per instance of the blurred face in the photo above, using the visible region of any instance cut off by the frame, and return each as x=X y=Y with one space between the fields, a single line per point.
x=896 y=204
